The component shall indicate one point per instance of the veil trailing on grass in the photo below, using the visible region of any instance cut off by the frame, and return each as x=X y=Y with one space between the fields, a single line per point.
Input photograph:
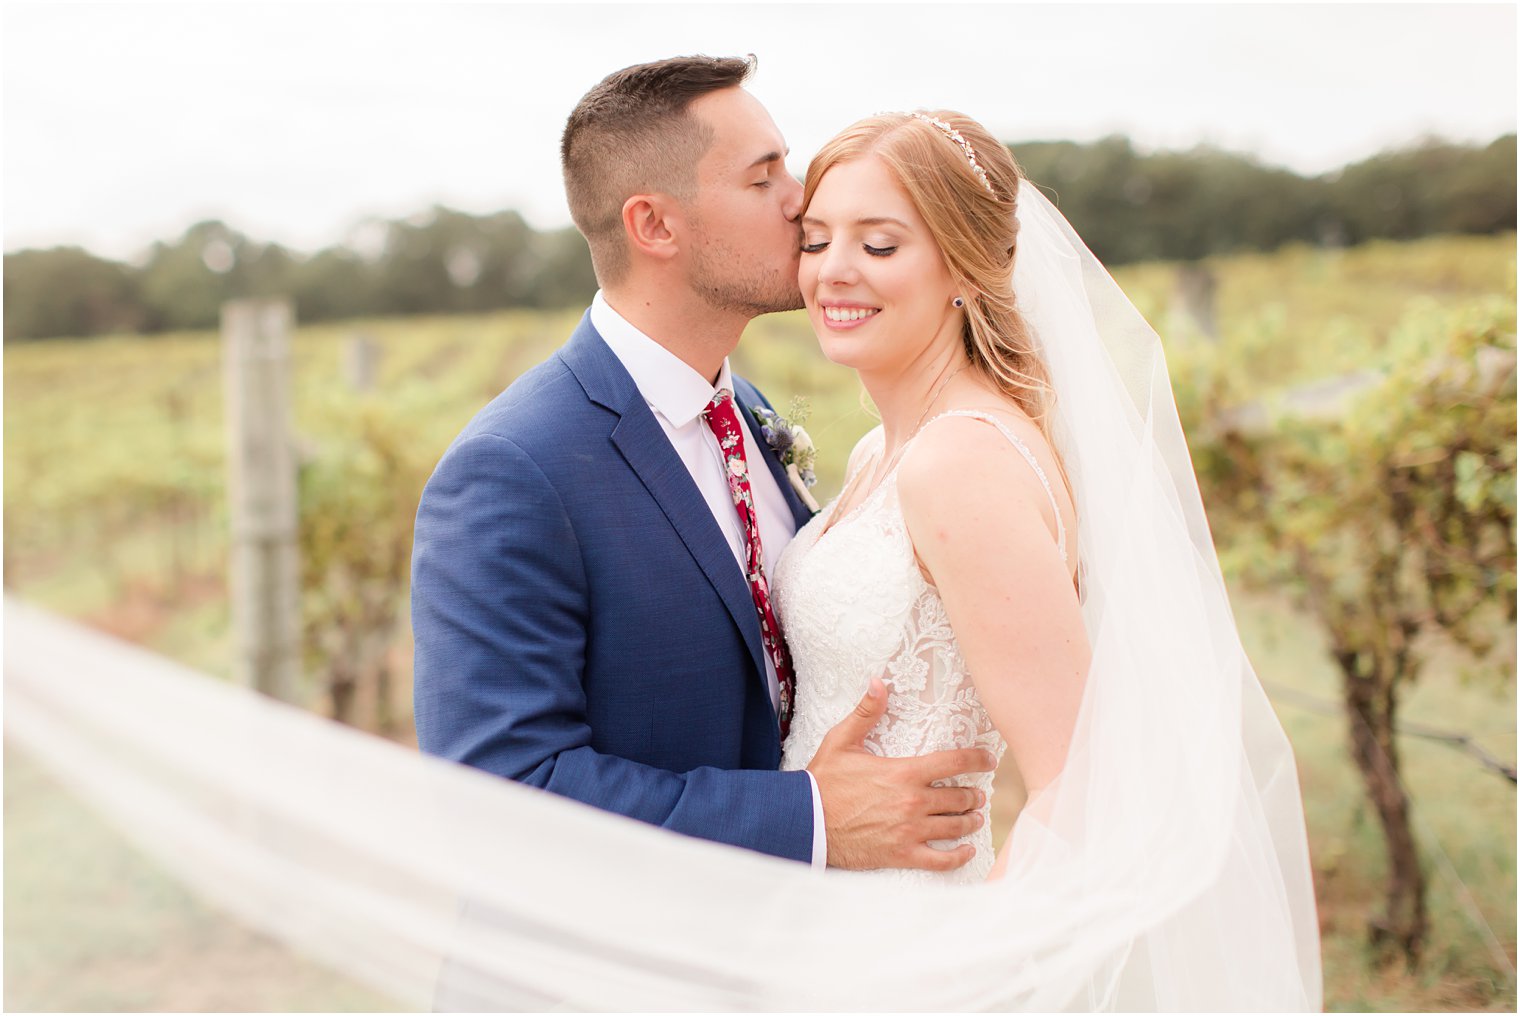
x=1167 y=867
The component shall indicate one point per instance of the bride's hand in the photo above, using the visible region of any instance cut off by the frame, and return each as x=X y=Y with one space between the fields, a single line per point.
x=881 y=812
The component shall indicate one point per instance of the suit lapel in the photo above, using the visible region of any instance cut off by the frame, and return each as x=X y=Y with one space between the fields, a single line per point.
x=641 y=441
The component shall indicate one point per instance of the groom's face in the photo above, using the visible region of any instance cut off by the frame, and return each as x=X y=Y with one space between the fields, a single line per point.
x=744 y=218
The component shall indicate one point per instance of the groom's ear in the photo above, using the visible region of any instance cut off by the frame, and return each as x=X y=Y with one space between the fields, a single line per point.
x=653 y=223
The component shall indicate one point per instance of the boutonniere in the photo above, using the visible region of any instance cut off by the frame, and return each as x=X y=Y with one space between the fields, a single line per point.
x=792 y=444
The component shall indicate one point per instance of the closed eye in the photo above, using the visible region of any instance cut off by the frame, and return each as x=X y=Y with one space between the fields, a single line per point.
x=879 y=252
x=814 y=248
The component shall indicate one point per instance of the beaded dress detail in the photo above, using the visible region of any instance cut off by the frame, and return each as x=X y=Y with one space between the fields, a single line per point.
x=854 y=605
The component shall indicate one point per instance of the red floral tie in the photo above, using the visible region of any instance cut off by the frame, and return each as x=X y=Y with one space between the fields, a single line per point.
x=729 y=432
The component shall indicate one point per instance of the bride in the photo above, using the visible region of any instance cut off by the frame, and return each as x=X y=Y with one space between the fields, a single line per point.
x=1020 y=553
x=945 y=564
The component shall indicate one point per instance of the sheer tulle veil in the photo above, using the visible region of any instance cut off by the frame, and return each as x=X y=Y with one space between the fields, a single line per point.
x=1178 y=810
x=1167 y=867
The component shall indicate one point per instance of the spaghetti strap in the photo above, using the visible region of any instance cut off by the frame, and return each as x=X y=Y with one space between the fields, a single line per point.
x=1034 y=463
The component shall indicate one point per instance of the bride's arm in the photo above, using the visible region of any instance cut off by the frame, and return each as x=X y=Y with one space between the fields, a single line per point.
x=984 y=531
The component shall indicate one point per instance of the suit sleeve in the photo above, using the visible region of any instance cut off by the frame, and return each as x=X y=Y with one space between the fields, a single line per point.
x=500 y=606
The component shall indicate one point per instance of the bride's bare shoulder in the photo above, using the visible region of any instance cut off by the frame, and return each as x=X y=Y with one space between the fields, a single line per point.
x=962 y=465
x=944 y=442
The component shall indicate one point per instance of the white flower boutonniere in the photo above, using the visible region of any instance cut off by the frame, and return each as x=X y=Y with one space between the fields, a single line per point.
x=789 y=441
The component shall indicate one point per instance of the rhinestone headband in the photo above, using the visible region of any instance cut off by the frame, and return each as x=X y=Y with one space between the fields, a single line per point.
x=965 y=146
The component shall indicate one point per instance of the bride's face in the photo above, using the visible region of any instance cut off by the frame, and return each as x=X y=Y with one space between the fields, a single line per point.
x=875 y=284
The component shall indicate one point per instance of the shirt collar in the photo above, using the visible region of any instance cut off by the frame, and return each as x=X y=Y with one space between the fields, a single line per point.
x=670 y=385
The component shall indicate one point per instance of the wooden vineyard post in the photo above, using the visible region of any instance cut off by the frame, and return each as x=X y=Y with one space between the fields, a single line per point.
x=361 y=362
x=261 y=491
x=1194 y=296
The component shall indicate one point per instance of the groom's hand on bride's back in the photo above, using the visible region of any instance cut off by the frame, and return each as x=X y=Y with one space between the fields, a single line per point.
x=881 y=812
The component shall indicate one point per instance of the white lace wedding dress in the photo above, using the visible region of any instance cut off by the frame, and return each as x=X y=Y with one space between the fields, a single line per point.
x=854 y=605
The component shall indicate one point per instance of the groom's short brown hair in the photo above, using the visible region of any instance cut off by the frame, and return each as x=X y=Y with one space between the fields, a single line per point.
x=633 y=134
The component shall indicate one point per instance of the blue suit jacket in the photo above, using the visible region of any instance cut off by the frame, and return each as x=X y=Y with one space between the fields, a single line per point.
x=581 y=624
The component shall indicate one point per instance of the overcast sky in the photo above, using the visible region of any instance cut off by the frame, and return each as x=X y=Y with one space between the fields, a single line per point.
x=124 y=123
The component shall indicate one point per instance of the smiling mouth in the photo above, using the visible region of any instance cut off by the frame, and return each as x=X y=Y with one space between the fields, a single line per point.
x=843 y=314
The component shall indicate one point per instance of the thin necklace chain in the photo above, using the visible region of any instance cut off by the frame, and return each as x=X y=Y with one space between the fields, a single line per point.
x=932 y=400
x=919 y=425
x=882 y=472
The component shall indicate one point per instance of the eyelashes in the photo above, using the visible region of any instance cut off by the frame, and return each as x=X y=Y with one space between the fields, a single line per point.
x=875 y=252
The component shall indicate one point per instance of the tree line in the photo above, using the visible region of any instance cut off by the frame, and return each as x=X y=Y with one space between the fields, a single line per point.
x=1129 y=205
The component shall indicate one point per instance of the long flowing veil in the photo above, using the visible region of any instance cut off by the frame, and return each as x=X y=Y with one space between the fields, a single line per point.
x=1167 y=867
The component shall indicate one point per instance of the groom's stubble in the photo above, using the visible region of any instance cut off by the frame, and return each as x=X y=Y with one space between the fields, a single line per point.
x=731 y=280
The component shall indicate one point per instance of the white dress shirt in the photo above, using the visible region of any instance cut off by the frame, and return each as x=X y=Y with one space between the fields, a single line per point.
x=677 y=395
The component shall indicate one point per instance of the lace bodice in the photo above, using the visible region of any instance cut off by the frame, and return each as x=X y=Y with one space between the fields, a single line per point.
x=854 y=605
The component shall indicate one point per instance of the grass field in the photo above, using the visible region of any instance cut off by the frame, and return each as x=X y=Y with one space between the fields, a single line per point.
x=114 y=513
x=91 y=925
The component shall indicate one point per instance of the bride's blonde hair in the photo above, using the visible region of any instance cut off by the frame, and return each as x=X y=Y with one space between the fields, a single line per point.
x=974 y=225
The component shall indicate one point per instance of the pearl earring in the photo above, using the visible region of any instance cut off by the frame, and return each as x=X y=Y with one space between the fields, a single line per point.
x=958 y=303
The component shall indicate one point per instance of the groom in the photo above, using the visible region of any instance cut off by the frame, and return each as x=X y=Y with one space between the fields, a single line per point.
x=589 y=592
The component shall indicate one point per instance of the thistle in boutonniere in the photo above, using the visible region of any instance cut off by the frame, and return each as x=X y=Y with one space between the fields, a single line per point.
x=792 y=444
